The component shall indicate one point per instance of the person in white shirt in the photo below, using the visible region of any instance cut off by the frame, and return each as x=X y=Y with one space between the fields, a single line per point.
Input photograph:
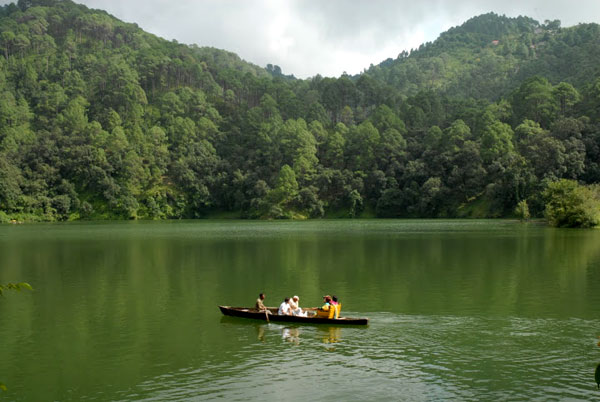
x=284 y=308
x=295 y=308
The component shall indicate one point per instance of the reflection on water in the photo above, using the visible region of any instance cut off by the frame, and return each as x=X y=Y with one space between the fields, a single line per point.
x=475 y=310
x=331 y=334
x=260 y=333
x=291 y=334
x=428 y=357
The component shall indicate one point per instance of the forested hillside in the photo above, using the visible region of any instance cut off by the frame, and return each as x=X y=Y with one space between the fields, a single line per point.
x=99 y=119
x=489 y=56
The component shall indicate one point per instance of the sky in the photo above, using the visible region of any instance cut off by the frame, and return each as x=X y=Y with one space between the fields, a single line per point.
x=327 y=37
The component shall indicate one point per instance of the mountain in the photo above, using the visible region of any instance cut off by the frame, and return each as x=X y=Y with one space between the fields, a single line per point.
x=490 y=55
x=101 y=120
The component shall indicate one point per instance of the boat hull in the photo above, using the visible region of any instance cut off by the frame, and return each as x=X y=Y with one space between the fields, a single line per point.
x=259 y=315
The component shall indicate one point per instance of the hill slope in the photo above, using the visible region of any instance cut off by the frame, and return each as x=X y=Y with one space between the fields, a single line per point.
x=490 y=55
x=99 y=119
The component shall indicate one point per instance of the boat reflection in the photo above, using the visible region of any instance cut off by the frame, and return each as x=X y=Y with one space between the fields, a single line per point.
x=330 y=335
x=291 y=334
x=260 y=329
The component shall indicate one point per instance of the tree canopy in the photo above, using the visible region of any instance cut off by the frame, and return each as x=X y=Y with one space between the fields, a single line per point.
x=101 y=120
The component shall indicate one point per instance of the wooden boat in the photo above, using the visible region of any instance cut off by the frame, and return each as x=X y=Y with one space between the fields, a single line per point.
x=245 y=312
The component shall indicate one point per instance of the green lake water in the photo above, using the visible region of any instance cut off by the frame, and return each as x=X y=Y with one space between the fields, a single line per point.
x=459 y=310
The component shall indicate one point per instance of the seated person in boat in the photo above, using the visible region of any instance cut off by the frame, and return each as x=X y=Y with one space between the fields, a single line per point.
x=284 y=308
x=327 y=310
x=259 y=303
x=338 y=306
x=295 y=307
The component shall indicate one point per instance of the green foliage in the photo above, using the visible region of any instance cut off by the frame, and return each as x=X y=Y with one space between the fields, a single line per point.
x=522 y=210
x=496 y=141
x=569 y=204
x=100 y=120
x=14 y=286
x=390 y=204
x=534 y=100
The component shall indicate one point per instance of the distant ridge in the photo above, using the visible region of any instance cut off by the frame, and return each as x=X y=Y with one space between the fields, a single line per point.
x=500 y=53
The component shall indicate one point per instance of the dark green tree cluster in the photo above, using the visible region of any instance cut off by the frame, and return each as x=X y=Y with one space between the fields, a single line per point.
x=99 y=119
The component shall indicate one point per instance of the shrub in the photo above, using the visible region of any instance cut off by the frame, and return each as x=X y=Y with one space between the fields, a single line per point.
x=522 y=210
x=569 y=204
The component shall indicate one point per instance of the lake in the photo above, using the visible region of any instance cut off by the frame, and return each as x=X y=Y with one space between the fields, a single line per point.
x=459 y=310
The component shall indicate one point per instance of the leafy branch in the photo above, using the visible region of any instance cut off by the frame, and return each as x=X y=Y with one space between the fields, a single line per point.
x=14 y=286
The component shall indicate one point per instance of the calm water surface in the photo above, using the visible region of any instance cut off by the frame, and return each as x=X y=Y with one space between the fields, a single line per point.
x=459 y=310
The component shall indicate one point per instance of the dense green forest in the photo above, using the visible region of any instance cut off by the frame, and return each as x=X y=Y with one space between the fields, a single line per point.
x=99 y=119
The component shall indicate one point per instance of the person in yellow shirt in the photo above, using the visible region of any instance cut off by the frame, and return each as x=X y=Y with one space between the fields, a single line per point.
x=337 y=305
x=323 y=312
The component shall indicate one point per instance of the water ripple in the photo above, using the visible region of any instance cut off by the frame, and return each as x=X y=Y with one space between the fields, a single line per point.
x=426 y=357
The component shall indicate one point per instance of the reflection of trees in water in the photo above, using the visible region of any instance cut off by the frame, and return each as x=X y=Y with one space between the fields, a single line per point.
x=154 y=296
x=525 y=269
x=518 y=268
